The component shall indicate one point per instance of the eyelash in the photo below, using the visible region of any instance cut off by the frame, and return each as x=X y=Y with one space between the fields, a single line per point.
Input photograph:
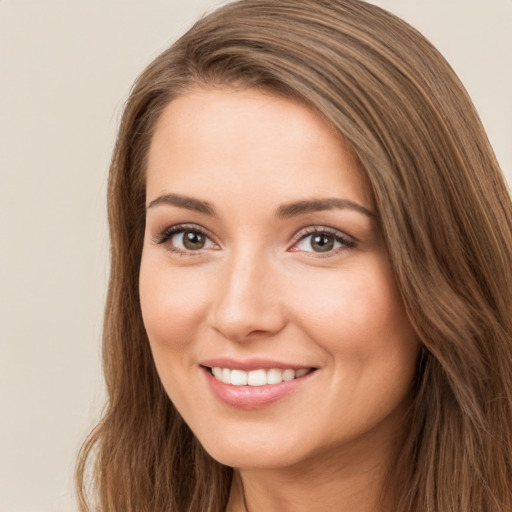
x=169 y=232
x=344 y=240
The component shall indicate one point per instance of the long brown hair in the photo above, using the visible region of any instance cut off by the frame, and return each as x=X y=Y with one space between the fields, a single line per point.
x=446 y=218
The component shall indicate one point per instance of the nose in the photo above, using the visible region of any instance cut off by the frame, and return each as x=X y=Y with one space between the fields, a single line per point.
x=248 y=304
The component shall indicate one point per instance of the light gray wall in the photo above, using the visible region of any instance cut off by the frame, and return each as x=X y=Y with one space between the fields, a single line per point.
x=65 y=69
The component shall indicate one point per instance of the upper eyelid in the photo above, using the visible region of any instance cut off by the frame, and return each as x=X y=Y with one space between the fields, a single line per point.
x=309 y=230
x=163 y=235
x=347 y=241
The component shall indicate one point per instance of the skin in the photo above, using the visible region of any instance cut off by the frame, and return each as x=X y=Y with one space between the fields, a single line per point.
x=260 y=288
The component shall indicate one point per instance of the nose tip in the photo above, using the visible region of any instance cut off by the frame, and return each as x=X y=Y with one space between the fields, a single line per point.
x=240 y=331
x=248 y=305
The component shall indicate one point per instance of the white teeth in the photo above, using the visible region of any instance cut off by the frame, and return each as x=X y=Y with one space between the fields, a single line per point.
x=289 y=375
x=238 y=377
x=257 y=377
x=274 y=376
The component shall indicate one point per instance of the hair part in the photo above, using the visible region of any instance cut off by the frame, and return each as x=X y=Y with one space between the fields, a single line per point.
x=446 y=219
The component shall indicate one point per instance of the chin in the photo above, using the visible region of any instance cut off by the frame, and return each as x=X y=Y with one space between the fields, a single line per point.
x=256 y=452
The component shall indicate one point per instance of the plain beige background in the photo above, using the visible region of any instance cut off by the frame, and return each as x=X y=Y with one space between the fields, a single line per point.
x=65 y=69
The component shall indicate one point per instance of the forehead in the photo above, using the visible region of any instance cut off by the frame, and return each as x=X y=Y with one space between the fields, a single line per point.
x=228 y=142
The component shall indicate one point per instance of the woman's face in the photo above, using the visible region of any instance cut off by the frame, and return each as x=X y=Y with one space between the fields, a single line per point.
x=267 y=295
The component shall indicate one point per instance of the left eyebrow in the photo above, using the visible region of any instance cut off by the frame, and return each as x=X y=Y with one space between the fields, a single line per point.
x=189 y=203
x=296 y=208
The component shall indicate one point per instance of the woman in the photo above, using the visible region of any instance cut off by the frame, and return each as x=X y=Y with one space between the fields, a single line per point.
x=310 y=295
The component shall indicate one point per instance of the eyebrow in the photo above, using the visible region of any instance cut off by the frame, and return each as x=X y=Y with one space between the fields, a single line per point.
x=316 y=205
x=284 y=211
x=189 y=203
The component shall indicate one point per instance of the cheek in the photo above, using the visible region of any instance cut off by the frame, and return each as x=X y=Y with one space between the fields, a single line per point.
x=358 y=318
x=358 y=311
x=172 y=302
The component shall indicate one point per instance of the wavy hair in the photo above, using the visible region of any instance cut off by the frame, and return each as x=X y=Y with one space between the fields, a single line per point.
x=446 y=219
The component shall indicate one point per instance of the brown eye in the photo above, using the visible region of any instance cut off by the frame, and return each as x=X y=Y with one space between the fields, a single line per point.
x=193 y=240
x=322 y=242
x=185 y=240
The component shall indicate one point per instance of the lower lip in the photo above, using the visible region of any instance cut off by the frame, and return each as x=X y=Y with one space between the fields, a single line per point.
x=252 y=397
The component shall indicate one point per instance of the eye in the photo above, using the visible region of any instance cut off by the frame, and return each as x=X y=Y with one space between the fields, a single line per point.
x=185 y=239
x=322 y=241
x=190 y=240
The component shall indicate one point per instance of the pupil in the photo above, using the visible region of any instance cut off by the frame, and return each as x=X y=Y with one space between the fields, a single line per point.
x=322 y=243
x=193 y=240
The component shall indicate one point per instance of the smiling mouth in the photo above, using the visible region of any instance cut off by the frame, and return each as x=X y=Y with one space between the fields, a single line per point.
x=258 y=377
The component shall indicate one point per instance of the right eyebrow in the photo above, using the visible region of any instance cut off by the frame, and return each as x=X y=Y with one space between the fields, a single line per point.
x=189 y=203
x=317 y=205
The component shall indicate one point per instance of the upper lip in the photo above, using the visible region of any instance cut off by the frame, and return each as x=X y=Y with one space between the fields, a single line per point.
x=251 y=364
